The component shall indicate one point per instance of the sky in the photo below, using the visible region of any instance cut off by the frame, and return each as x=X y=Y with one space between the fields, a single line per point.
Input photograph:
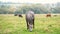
x=31 y=1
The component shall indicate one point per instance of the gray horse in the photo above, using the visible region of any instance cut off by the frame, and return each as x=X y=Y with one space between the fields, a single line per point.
x=30 y=20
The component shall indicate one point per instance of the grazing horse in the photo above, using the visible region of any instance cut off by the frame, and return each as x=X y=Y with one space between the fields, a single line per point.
x=55 y=15
x=15 y=14
x=48 y=15
x=30 y=20
x=20 y=15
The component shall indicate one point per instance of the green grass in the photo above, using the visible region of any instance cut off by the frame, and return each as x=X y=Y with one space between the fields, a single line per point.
x=10 y=24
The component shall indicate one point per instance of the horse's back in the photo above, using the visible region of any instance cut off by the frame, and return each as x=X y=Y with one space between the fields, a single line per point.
x=30 y=15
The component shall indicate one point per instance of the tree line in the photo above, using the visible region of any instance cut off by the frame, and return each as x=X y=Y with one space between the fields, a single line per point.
x=22 y=9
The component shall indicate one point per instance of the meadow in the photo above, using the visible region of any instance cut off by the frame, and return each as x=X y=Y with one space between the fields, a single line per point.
x=10 y=24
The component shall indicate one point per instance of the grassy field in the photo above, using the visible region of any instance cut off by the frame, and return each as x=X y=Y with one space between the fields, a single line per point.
x=10 y=24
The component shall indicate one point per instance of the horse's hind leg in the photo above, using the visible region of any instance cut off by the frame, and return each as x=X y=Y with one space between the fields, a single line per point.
x=33 y=23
